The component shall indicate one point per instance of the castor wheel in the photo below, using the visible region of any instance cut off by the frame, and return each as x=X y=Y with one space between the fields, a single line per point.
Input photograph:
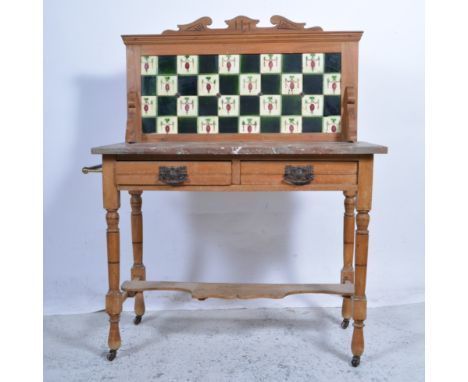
x=202 y=299
x=111 y=355
x=344 y=323
x=137 y=320
x=356 y=361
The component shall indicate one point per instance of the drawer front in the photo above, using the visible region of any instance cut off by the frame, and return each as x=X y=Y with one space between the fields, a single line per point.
x=174 y=173
x=322 y=172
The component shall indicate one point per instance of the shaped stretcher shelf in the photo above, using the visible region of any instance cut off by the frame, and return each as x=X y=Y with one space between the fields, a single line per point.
x=202 y=291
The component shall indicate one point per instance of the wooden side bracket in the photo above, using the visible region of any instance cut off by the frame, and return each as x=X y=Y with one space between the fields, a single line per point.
x=132 y=108
x=349 y=117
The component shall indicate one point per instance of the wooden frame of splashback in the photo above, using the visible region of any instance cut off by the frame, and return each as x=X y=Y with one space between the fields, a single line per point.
x=243 y=36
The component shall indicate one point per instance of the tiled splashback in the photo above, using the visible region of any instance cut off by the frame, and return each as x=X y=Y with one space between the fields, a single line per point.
x=248 y=93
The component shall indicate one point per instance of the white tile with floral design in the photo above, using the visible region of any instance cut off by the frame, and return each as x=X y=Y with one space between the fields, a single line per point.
x=208 y=125
x=313 y=62
x=208 y=84
x=249 y=124
x=270 y=105
x=312 y=105
x=149 y=65
x=249 y=84
x=187 y=64
x=331 y=124
x=291 y=124
x=229 y=63
x=187 y=106
x=166 y=125
x=291 y=84
x=167 y=85
x=332 y=84
x=270 y=63
x=228 y=106
x=148 y=106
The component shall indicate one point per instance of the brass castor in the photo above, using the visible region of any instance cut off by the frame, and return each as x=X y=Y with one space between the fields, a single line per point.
x=137 y=320
x=111 y=355
x=356 y=361
x=344 y=323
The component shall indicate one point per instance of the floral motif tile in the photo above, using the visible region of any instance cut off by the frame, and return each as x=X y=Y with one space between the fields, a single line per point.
x=249 y=84
x=291 y=84
x=167 y=125
x=187 y=106
x=167 y=85
x=291 y=124
x=332 y=84
x=208 y=125
x=149 y=65
x=187 y=65
x=241 y=93
x=270 y=105
x=148 y=106
x=270 y=63
x=249 y=124
x=229 y=64
x=313 y=62
x=228 y=106
x=312 y=105
x=208 y=84
x=331 y=124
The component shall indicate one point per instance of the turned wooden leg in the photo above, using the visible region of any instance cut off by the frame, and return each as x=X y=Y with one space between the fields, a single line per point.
x=364 y=199
x=138 y=269
x=114 y=295
x=347 y=273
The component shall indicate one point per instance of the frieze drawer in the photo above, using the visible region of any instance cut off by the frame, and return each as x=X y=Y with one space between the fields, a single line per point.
x=173 y=173
x=297 y=173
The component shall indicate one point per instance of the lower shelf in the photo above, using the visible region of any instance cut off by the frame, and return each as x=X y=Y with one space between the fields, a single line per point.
x=202 y=291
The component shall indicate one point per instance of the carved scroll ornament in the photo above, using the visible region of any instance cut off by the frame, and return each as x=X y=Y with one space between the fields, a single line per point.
x=242 y=24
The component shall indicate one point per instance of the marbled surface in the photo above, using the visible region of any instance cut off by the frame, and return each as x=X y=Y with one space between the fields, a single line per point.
x=240 y=148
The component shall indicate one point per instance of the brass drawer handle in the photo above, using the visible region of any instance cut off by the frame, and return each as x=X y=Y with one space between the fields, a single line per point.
x=96 y=168
x=173 y=175
x=298 y=175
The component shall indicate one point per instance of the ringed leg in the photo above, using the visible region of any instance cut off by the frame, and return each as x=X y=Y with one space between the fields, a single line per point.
x=347 y=272
x=364 y=201
x=114 y=295
x=138 y=270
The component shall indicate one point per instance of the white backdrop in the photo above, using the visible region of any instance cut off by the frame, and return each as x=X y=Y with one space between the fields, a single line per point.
x=232 y=237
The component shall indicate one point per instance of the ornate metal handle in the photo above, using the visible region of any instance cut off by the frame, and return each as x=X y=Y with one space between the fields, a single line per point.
x=96 y=168
x=173 y=175
x=298 y=175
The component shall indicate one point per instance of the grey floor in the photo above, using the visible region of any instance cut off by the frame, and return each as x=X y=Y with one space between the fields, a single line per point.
x=237 y=345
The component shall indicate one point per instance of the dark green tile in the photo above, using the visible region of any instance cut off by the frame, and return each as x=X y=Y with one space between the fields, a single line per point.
x=167 y=105
x=187 y=85
x=311 y=124
x=292 y=63
x=148 y=85
x=271 y=84
x=207 y=105
x=249 y=105
x=187 y=125
x=312 y=83
x=270 y=124
x=332 y=62
x=208 y=64
x=291 y=105
x=229 y=84
x=228 y=125
x=332 y=105
x=250 y=63
x=167 y=65
x=148 y=125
